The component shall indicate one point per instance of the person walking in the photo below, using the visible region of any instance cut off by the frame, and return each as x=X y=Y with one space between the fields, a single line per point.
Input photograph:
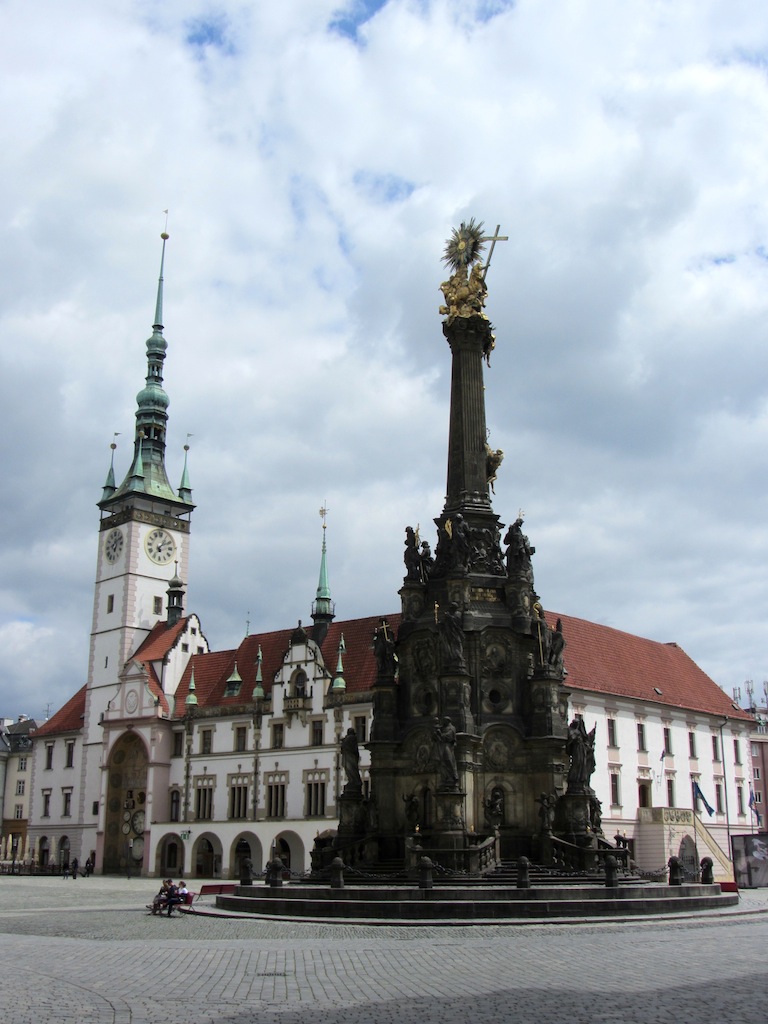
x=75 y=866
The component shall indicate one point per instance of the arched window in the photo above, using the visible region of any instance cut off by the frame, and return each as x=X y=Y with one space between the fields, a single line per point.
x=300 y=684
x=175 y=804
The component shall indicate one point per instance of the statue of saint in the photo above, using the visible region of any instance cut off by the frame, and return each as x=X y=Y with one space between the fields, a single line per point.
x=384 y=649
x=452 y=635
x=350 y=759
x=580 y=746
x=519 y=552
x=445 y=737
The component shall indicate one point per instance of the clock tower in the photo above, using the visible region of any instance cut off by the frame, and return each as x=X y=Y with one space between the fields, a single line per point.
x=143 y=551
x=144 y=529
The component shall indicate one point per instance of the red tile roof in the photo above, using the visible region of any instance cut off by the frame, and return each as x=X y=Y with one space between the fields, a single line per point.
x=67 y=719
x=213 y=670
x=160 y=639
x=607 y=661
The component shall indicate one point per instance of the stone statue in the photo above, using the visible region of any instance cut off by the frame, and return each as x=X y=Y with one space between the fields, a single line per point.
x=384 y=649
x=547 y=802
x=580 y=747
x=426 y=561
x=461 y=541
x=494 y=807
x=411 y=810
x=493 y=459
x=595 y=814
x=411 y=555
x=350 y=759
x=452 y=636
x=519 y=552
x=556 y=648
x=246 y=871
x=445 y=737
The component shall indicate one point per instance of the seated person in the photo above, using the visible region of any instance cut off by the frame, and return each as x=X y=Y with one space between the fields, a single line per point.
x=183 y=891
x=160 y=899
x=172 y=898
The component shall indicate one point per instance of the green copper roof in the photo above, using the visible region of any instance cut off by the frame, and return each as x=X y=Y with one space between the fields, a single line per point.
x=323 y=605
x=147 y=474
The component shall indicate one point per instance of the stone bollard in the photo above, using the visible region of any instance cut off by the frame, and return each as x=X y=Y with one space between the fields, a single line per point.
x=675 y=871
x=337 y=873
x=611 y=872
x=707 y=871
x=274 y=873
x=425 y=873
x=523 y=873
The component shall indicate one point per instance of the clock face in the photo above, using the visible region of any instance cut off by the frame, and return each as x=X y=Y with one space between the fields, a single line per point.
x=159 y=546
x=113 y=545
x=138 y=822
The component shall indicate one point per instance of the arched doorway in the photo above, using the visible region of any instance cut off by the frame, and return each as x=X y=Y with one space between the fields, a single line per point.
x=289 y=848
x=170 y=857
x=126 y=805
x=687 y=855
x=644 y=794
x=204 y=859
x=44 y=852
x=63 y=858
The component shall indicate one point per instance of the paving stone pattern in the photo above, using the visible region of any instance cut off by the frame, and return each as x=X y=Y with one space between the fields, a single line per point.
x=87 y=950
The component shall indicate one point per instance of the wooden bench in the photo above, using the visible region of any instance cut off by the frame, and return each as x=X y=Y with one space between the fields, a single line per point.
x=212 y=889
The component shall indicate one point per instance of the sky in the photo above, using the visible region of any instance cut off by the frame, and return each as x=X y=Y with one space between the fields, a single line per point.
x=314 y=156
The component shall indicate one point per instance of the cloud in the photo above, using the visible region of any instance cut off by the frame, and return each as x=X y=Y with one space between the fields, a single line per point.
x=314 y=157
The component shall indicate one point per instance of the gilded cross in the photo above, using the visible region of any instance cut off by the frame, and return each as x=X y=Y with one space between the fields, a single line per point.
x=493 y=239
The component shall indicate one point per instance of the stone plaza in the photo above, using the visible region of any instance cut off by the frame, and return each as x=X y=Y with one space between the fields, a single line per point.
x=86 y=950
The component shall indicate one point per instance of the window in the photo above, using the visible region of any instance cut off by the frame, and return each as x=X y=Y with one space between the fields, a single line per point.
x=670 y=792
x=48 y=756
x=740 y=799
x=715 y=748
x=18 y=812
x=110 y=603
x=612 y=732
x=95 y=807
x=276 y=795
x=317 y=734
x=46 y=805
x=692 y=744
x=360 y=724
x=238 y=797
x=193 y=631
x=756 y=773
x=204 y=798
x=758 y=797
x=241 y=737
x=175 y=805
x=201 y=650
x=67 y=804
x=206 y=741
x=185 y=650
x=178 y=744
x=641 y=736
x=277 y=737
x=755 y=750
x=718 y=797
x=668 y=743
x=300 y=685
x=736 y=753
x=157 y=607
x=315 y=799
x=70 y=759
x=615 y=790
x=20 y=787
x=22 y=764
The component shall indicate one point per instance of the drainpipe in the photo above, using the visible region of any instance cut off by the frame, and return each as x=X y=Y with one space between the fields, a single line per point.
x=725 y=786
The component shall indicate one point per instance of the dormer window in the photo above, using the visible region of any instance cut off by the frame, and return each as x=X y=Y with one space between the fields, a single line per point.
x=300 y=684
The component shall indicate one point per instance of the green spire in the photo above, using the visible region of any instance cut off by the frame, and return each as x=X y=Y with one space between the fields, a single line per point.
x=339 y=683
x=258 y=690
x=191 y=700
x=185 y=491
x=147 y=474
x=109 y=486
x=323 y=612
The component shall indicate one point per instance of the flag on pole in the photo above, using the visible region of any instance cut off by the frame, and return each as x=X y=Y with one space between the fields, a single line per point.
x=700 y=796
x=663 y=753
x=753 y=807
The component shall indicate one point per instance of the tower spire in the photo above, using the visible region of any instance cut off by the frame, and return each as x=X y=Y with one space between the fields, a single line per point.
x=323 y=612
x=147 y=474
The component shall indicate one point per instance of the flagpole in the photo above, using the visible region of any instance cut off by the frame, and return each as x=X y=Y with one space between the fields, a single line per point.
x=695 y=842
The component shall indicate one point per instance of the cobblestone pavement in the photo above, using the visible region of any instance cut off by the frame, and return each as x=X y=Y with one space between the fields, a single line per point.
x=86 y=950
